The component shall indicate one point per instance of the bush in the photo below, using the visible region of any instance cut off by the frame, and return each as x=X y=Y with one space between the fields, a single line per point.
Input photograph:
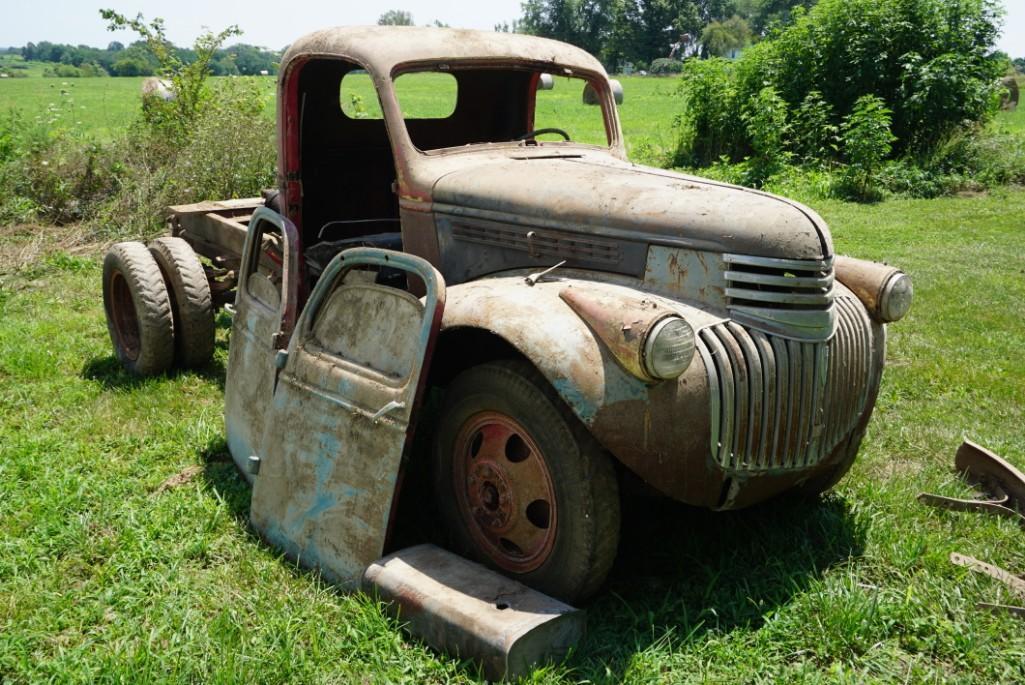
x=230 y=153
x=927 y=59
x=867 y=141
x=663 y=66
x=815 y=136
x=765 y=122
x=710 y=125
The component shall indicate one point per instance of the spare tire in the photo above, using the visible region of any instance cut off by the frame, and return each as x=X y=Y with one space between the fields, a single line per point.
x=138 y=310
x=191 y=304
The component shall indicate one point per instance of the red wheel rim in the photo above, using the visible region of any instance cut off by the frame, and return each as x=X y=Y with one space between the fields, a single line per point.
x=122 y=315
x=504 y=491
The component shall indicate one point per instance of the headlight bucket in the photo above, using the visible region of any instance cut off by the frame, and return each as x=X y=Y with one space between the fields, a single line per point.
x=885 y=291
x=648 y=339
x=669 y=348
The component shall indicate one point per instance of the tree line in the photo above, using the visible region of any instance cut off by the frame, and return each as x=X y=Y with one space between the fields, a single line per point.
x=136 y=59
x=641 y=31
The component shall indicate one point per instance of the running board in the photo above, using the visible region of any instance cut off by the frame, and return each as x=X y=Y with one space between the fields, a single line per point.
x=470 y=612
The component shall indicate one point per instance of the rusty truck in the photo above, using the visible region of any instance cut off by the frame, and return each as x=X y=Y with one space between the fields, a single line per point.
x=586 y=320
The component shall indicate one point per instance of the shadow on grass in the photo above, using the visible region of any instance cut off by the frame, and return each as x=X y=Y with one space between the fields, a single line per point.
x=108 y=372
x=680 y=571
x=684 y=572
x=224 y=480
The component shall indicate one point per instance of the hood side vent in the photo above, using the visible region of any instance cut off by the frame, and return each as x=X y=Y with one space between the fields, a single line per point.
x=537 y=243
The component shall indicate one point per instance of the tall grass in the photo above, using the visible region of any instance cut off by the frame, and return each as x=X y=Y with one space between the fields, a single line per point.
x=52 y=171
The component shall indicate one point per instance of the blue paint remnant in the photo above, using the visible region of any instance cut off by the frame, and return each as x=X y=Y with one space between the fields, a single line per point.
x=578 y=402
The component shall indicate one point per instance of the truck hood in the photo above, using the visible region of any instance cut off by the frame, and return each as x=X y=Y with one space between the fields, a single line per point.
x=603 y=195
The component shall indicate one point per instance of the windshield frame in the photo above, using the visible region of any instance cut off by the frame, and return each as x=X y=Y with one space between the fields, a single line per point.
x=598 y=81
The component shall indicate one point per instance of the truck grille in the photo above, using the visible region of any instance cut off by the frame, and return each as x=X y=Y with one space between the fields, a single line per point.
x=780 y=404
x=791 y=297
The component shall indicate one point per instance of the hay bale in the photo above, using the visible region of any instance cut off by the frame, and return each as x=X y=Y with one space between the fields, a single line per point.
x=591 y=96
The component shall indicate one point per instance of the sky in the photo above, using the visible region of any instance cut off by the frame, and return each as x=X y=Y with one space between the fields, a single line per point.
x=276 y=23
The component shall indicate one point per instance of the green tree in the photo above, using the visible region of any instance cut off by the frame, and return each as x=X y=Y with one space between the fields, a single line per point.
x=721 y=37
x=395 y=18
x=188 y=79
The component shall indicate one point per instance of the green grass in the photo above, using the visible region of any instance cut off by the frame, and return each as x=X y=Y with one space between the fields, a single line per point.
x=103 y=107
x=106 y=578
x=97 y=108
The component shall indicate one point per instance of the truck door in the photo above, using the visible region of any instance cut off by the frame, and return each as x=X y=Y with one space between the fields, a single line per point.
x=340 y=420
x=266 y=302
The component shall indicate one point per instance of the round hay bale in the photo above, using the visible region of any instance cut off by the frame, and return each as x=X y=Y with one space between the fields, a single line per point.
x=546 y=82
x=153 y=87
x=617 y=90
x=591 y=96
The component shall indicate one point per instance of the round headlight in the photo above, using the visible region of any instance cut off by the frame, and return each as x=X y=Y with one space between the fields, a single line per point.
x=896 y=297
x=669 y=348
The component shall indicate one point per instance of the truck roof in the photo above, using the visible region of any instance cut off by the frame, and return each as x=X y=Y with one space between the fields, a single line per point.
x=381 y=48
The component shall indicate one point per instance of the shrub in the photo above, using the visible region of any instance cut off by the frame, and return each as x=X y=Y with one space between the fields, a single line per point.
x=765 y=122
x=814 y=133
x=188 y=79
x=663 y=66
x=230 y=153
x=867 y=141
x=710 y=125
x=928 y=59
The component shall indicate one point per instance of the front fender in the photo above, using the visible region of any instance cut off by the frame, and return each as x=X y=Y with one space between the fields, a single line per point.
x=659 y=430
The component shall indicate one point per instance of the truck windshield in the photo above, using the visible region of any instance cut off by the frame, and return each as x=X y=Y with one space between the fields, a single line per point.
x=463 y=106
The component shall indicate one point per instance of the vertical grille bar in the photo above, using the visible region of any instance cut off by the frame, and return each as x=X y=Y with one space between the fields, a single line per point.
x=784 y=404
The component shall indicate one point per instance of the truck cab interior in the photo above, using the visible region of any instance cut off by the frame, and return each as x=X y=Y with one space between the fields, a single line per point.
x=347 y=169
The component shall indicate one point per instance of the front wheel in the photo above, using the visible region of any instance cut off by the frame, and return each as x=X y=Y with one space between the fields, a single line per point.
x=520 y=483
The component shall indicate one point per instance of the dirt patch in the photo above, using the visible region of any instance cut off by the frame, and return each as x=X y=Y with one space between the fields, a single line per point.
x=179 y=479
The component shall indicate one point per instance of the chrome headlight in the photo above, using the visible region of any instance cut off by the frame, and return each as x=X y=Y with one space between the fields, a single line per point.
x=895 y=300
x=669 y=348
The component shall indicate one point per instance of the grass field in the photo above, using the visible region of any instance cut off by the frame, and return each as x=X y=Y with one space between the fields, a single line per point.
x=125 y=553
x=107 y=576
x=103 y=107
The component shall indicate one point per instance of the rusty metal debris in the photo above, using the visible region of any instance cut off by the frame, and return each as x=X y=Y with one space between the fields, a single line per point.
x=1015 y=584
x=460 y=607
x=1004 y=485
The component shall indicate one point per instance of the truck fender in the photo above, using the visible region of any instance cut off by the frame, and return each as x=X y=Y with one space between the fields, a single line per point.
x=646 y=425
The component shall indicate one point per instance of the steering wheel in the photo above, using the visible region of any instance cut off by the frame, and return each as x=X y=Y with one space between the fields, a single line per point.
x=540 y=131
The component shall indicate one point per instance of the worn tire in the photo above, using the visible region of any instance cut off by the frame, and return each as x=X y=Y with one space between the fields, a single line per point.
x=138 y=310
x=578 y=475
x=191 y=303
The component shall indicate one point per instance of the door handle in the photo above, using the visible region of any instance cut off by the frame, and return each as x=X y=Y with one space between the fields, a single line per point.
x=391 y=406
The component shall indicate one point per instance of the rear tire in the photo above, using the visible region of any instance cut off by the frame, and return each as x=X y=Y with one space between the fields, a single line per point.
x=521 y=485
x=191 y=304
x=138 y=310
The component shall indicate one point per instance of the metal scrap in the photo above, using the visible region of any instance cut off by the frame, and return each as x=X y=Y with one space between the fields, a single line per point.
x=1004 y=485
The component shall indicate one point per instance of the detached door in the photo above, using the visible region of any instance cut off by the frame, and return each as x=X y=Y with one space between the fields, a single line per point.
x=339 y=423
x=266 y=302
